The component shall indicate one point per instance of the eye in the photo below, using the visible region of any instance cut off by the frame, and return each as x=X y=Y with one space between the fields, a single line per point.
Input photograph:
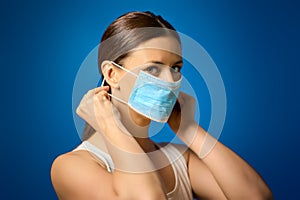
x=176 y=69
x=154 y=70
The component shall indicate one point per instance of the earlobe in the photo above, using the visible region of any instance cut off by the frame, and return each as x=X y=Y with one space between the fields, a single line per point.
x=110 y=74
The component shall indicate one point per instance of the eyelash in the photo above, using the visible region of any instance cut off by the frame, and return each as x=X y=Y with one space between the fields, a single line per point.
x=151 y=68
x=175 y=69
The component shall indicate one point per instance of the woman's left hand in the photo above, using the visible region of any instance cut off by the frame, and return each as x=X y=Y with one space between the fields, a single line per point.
x=183 y=113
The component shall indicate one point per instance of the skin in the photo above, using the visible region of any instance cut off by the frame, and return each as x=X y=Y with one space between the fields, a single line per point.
x=79 y=175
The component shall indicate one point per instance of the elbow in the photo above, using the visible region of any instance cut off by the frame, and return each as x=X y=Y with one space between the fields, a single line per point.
x=255 y=192
x=267 y=195
x=263 y=194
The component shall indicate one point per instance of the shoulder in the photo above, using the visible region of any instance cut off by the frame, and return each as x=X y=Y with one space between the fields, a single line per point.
x=75 y=174
x=72 y=160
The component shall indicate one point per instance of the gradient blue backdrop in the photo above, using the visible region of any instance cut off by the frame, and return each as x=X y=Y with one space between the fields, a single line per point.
x=255 y=45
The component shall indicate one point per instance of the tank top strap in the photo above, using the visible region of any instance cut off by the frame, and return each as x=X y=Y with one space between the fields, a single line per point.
x=183 y=189
x=103 y=156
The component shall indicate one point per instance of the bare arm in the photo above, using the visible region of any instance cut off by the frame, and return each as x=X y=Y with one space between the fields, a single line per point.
x=85 y=181
x=130 y=179
x=232 y=175
x=97 y=109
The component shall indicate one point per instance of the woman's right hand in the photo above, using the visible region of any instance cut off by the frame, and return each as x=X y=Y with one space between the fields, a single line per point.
x=96 y=109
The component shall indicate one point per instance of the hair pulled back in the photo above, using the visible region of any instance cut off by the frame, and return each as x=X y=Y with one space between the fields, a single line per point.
x=126 y=33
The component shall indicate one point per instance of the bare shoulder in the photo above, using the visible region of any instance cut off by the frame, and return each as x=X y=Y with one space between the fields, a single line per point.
x=71 y=161
x=77 y=175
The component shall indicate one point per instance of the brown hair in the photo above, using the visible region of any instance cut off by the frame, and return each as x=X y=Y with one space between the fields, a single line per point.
x=129 y=31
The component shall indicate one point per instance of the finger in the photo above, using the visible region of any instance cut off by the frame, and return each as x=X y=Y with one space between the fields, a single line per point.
x=187 y=103
x=98 y=89
x=103 y=95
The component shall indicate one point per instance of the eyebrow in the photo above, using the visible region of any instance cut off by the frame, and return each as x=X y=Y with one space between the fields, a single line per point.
x=159 y=62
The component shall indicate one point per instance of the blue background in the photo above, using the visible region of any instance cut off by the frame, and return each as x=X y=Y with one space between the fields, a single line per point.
x=255 y=45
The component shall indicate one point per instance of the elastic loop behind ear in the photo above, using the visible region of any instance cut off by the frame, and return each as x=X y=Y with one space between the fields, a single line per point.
x=102 y=84
x=108 y=74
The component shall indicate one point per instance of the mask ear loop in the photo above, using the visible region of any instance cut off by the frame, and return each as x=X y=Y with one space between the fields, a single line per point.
x=130 y=72
x=102 y=84
x=121 y=100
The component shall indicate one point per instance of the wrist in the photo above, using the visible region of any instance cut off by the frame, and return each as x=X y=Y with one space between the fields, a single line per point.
x=187 y=132
x=197 y=139
x=185 y=128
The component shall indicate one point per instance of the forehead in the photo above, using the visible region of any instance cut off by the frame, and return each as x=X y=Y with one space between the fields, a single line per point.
x=163 y=49
x=166 y=43
x=147 y=55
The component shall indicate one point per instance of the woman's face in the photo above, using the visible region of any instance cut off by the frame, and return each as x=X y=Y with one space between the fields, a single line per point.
x=160 y=57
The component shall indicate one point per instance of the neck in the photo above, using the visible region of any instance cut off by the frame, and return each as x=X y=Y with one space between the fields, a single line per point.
x=146 y=144
x=137 y=126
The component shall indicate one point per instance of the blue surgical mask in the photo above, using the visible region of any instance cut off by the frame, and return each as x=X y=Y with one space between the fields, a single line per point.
x=151 y=96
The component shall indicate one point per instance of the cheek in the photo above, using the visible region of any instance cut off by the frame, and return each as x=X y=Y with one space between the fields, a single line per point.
x=138 y=118
x=125 y=86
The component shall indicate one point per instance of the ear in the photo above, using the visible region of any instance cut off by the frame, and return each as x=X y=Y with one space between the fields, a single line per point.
x=110 y=73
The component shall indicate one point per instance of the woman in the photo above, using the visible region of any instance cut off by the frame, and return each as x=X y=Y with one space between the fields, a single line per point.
x=117 y=160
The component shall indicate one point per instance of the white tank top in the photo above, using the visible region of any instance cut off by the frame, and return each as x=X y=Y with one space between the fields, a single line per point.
x=182 y=189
